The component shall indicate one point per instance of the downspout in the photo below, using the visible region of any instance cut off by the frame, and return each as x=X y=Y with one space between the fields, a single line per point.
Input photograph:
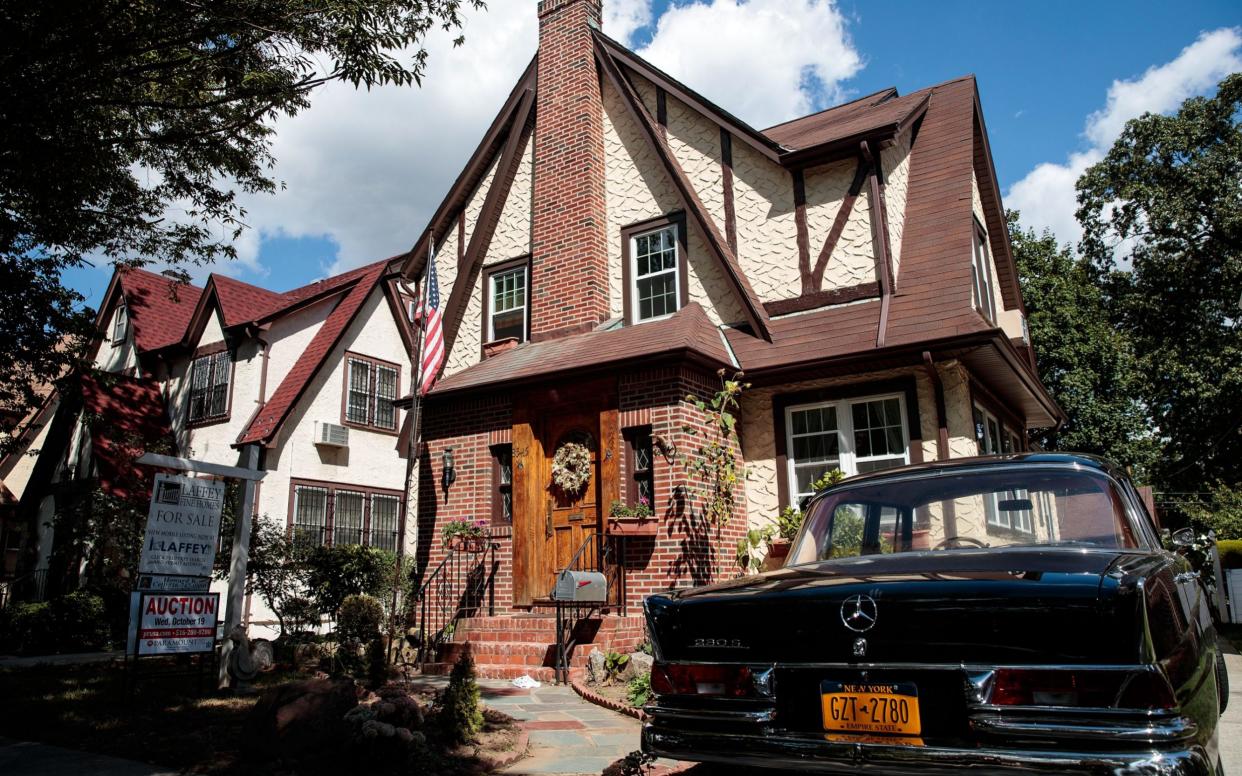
x=942 y=436
x=879 y=234
x=942 y=426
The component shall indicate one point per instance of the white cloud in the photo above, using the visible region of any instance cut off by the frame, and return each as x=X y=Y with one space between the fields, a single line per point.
x=764 y=60
x=1046 y=196
x=622 y=18
x=367 y=169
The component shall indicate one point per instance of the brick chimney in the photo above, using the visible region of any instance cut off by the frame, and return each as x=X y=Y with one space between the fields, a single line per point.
x=568 y=239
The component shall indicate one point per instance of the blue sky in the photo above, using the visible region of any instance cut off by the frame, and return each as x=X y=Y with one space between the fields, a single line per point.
x=363 y=171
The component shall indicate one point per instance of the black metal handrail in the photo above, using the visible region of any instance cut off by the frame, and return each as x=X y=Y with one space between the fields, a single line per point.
x=31 y=586
x=459 y=586
x=599 y=552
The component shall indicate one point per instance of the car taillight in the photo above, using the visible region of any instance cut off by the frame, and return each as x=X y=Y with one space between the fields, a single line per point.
x=1144 y=690
x=711 y=680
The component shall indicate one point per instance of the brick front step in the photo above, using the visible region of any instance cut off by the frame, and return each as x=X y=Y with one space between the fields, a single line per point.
x=511 y=646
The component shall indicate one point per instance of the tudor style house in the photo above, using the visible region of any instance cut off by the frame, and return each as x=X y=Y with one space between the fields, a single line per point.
x=617 y=239
x=307 y=377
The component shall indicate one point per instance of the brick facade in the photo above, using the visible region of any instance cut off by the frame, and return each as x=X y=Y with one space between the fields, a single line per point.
x=568 y=239
x=685 y=552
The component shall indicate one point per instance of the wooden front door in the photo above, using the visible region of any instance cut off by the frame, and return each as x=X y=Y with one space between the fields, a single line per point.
x=550 y=525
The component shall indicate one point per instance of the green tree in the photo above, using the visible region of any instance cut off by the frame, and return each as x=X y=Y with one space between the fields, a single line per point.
x=129 y=127
x=1087 y=365
x=1162 y=220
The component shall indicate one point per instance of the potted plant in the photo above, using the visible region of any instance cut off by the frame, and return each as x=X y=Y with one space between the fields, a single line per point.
x=464 y=535
x=788 y=523
x=638 y=520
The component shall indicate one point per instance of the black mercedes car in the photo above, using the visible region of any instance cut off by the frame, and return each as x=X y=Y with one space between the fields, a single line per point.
x=997 y=615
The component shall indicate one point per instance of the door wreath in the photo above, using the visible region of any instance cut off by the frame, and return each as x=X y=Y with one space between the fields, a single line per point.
x=571 y=467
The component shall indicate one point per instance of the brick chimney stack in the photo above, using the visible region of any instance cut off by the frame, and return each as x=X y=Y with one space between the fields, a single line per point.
x=568 y=238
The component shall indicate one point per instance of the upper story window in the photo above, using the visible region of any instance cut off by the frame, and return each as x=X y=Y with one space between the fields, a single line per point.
x=853 y=435
x=655 y=268
x=120 y=324
x=370 y=389
x=982 y=290
x=210 y=378
x=506 y=302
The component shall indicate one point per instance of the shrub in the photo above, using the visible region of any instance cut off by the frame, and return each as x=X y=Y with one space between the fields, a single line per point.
x=335 y=573
x=1221 y=512
x=1230 y=553
x=639 y=690
x=76 y=622
x=359 y=618
x=458 y=713
x=614 y=665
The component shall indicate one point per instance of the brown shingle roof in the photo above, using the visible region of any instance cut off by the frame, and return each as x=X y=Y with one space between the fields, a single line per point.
x=861 y=116
x=689 y=332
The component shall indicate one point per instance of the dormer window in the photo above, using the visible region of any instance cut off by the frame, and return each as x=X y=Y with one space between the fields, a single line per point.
x=655 y=268
x=507 y=296
x=982 y=290
x=210 y=376
x=120 y=324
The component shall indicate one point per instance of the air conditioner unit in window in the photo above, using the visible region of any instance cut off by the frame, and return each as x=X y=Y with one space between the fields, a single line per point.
x=332 y=435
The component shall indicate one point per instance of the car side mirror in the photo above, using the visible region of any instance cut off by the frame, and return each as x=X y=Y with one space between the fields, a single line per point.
x=1183 y=538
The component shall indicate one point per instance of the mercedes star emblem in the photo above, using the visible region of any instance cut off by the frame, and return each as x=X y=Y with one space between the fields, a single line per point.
x=859 y=613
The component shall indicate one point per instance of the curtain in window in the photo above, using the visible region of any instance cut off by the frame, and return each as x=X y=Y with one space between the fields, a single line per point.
x=310 y=515
x=358 y=403
x=385 y=513
x=347 y=518
x=385 y=393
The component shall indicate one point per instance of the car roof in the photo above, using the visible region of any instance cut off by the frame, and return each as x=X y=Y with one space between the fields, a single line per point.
x=1080 y=460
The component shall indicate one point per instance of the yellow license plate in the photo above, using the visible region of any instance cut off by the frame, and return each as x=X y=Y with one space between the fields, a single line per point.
x=867 y=709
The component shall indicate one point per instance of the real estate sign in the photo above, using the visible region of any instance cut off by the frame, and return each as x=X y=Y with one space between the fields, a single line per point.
x=176 y=623
x=183 y=526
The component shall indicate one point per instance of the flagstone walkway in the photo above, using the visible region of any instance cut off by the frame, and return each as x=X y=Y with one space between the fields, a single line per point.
x=567 y=734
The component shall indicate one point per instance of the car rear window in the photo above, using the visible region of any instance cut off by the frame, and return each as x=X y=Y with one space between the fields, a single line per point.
x=967 y=510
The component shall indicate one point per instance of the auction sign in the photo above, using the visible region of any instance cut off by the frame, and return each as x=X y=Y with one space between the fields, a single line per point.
x=176 y=623
x=183 y=526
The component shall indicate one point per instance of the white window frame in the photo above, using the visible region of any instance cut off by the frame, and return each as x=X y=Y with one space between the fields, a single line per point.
x=983 y=290
x=847 y=458
x=491 y=300
x=1021 y=521
x=675 y=272
x=120 y=324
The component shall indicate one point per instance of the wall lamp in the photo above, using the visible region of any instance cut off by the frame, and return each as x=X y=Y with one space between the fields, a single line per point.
x=448 y=474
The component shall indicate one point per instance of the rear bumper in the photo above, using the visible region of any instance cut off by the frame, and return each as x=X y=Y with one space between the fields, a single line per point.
x=811 y=754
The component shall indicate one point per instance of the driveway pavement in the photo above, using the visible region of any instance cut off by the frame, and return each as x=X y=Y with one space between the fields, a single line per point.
x=1231 y=722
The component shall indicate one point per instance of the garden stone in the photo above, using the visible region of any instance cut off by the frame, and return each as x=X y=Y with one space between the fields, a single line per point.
x=595 y=666
x=299 y=718
x=263 y=655
x=640 y=664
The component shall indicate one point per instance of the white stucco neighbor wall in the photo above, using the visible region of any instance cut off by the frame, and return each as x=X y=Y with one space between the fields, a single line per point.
x=895 y=163
x=639 y=188
x=767 y=233
x=853 y=257
x=24 y=464
x=289 y=337
x=372 y=458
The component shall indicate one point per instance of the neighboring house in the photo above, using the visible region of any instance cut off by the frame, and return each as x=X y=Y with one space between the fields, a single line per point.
x=307 y=376
x=617 y=239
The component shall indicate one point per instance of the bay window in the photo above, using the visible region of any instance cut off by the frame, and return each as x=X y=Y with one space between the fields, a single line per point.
x=857 y=435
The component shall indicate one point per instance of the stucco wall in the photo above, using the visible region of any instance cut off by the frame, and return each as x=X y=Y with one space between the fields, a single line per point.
x=695 y=143
x=767 y=234
x=28 y=455
x=512 y=236
x=758 y=435
x=119 y=357
x=289 y=337
x=895 y=162
x=639 y=188
x=853 y=257
x=465 y=350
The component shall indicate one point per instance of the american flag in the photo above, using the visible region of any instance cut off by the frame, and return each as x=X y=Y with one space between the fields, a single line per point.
x=433 y=337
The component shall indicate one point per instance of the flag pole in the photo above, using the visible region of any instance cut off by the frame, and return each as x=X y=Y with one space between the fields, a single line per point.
x=412 y=455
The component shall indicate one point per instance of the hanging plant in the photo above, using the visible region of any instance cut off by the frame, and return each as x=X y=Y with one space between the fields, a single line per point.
x=571 y=468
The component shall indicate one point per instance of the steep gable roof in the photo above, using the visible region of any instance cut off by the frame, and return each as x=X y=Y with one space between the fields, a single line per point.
x=883 y=111
x=159 y=308
x=268 y=420
x=239 y=302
